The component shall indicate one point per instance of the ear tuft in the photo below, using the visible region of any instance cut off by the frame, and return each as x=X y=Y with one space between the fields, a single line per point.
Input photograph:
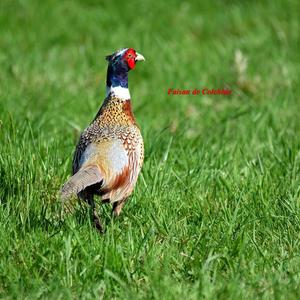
x=109 y=57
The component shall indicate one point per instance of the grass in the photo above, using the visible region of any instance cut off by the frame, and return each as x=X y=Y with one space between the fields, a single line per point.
x=215 y=214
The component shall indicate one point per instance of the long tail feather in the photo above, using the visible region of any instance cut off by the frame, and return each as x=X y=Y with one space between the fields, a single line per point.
x=83 y=178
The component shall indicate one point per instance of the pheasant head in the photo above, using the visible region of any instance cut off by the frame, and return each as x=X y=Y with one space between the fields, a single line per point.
x=119 y=64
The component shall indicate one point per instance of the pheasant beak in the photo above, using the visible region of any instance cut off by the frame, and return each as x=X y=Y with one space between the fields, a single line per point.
x=139 y=57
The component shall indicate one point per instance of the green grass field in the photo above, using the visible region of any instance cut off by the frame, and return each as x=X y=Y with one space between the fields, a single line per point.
x=216 y=211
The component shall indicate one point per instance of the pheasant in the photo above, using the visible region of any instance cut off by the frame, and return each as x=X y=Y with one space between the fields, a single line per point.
x=110 y=151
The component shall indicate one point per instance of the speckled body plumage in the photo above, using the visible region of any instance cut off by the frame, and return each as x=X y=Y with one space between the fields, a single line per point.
x=110 y=151
x=114 y=127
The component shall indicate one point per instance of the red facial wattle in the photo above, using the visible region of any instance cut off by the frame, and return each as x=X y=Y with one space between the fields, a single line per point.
x=129 y=56
x=131 y=63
